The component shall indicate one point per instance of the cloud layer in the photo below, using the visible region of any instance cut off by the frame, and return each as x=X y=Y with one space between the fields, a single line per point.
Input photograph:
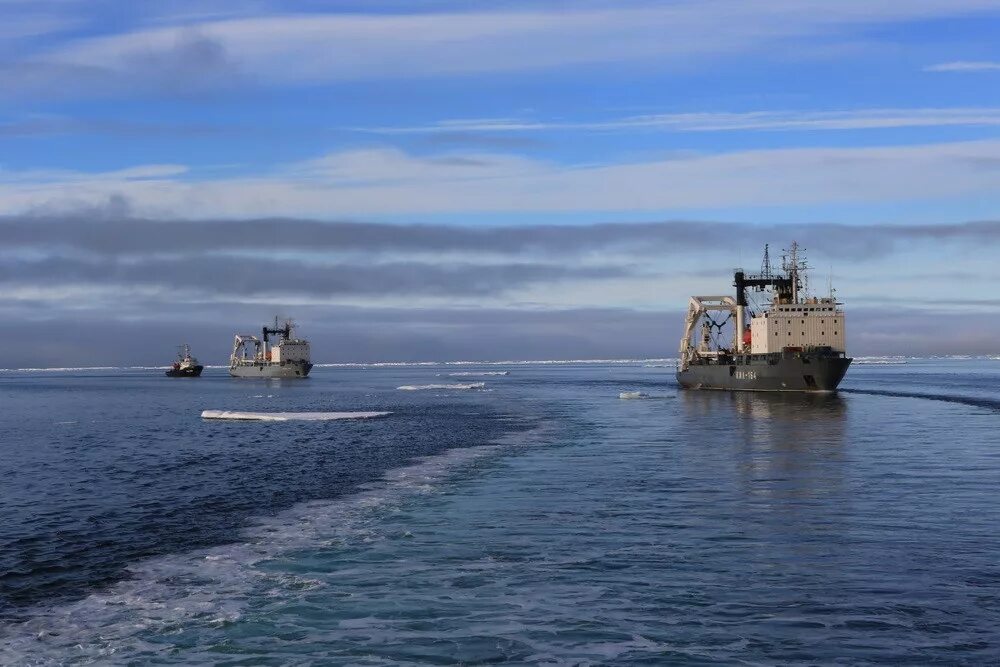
x=381 y=181
x=136 y=237
x=202 y=53
x=369 y=291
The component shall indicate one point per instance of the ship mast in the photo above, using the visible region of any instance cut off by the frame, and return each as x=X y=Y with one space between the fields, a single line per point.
x=794 y=268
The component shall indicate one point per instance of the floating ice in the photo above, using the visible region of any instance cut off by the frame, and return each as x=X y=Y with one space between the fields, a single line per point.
x=476 y=373
x=632 y=394
x=419 y=387
x=879 y=361
x=288 y=416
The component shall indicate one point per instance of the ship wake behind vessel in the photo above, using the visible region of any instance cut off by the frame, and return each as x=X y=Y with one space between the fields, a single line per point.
x=795 y=343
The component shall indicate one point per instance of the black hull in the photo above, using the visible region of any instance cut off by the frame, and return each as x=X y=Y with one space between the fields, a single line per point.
x=800 y=371
x=193 y=372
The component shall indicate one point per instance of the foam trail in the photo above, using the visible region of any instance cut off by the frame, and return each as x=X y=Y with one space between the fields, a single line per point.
x=632 y=394
x=419 y=387
x=210 y=587
x=288 y=416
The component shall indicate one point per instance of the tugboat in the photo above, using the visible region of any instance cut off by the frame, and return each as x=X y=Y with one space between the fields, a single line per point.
x=254 y=357
x=795 y=343
x=186 y=366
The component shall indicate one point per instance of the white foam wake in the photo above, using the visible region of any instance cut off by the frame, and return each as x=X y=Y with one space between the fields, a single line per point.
x=421 y=387
x=210 y=588
x=474 y=373
x=288 y=416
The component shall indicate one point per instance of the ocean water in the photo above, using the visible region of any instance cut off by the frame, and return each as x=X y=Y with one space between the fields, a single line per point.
x=560 y=514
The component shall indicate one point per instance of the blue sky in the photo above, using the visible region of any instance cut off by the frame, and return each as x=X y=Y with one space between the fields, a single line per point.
x=506 y=114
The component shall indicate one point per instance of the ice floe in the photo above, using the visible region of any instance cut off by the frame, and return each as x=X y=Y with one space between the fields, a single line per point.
x=421 y=387
x=474 y=373
x=632 y=394
x=288 y=416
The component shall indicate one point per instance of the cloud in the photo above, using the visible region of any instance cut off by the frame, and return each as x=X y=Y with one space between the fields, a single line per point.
x=136 y=237
x=188 y=64
x=367 y=291
x=211 y=276
x=325 y=47
x=104 y=233
x=965 y=66
x=382 y=181
x=863 y=119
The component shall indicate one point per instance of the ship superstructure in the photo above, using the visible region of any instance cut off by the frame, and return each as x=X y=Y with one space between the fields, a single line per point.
x=794 y=343
x=255 y=357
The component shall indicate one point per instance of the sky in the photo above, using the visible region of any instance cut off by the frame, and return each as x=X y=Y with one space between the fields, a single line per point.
x=442 y=180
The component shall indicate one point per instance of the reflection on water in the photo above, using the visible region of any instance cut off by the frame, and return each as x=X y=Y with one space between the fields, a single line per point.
x=790 y=470
x=790 y=451
x=782 y=406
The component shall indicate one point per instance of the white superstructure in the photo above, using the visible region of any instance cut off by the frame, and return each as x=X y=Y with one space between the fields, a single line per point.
x=812 y=323
x=257 y=357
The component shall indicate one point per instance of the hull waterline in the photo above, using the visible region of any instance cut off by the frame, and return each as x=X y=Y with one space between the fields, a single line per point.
x=271 y=371
x=799 y=374
x=192 y=372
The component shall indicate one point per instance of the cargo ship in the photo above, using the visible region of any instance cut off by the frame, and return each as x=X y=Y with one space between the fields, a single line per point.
x=186 y=366
x=793 y=342
x=255 y=357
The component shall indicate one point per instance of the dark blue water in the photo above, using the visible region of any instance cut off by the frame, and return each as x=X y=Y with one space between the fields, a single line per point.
x=541 y=519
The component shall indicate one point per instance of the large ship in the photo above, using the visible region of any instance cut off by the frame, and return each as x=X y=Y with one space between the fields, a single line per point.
x=186 y=366
x=793 y=343
x=254 y=357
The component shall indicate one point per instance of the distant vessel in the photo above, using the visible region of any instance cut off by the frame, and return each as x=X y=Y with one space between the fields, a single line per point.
x=186 y=366
x=795 y=343
x=254 y=357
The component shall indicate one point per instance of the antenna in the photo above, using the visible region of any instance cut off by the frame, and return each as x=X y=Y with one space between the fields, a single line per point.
x=796 y=270
x=765 y=265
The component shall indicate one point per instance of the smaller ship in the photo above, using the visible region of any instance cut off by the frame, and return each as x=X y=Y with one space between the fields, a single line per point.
x=254 y=357
x=186 y=366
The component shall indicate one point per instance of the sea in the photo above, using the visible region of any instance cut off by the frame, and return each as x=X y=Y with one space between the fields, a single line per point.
x=560 y=513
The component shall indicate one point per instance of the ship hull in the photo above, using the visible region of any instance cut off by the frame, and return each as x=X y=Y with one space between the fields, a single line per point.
x=270 y=370
x=801 y=372
x=190 y=372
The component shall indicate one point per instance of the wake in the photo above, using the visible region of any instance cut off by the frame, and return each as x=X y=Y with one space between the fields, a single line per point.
x=989 y=403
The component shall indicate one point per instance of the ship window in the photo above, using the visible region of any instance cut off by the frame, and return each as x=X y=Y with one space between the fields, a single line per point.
x=803 y=333
x=803 y=321
x=835 y=321
x=822 y=321
x=775 y=333
x=823 y=333
x=789 y=321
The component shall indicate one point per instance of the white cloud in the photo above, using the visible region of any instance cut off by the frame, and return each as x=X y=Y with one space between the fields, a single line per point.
x=386 y=181
x=317 y=48
x=720 y=122
x=965 y=66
